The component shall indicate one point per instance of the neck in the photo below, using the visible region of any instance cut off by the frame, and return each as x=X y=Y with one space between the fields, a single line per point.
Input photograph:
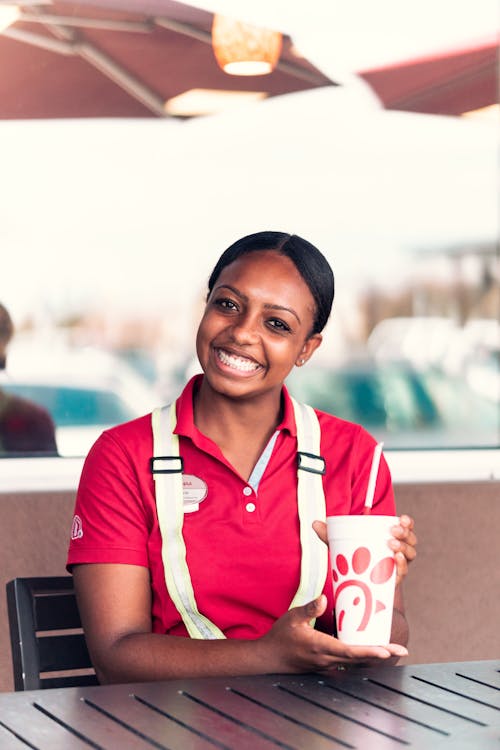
x=226 y=419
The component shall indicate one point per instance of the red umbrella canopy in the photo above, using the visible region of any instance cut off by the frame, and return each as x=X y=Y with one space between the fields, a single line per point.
x=449 y=82
x=105 y=59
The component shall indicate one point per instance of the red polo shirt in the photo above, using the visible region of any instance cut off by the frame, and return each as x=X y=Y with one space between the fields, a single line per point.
x=243 y=549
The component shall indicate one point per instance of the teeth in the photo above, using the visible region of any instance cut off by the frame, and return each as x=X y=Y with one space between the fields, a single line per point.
x=238 y=363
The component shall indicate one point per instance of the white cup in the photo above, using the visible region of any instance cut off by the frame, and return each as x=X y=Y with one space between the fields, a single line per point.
x=364 y=577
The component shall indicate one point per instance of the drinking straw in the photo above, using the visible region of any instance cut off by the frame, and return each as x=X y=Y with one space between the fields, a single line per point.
x=370 y=491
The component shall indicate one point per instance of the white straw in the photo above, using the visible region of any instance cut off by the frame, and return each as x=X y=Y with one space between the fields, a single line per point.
x=370 y=492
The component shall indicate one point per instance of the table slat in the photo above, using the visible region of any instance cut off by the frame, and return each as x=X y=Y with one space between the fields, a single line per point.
x=282 y=729
x=71 y=709
x=206 y=721
x=476 y=686
x=320 y=720
x=19 y=713
x=387 y=722
x=159 y=728
x=8 y=741
x=457 y=698
x=437 y=722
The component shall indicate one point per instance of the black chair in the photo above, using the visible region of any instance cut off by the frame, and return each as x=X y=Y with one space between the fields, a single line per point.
x=48 y=645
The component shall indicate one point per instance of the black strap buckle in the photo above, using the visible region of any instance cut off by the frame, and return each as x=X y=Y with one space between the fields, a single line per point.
x=310 y=462
x=177 y=468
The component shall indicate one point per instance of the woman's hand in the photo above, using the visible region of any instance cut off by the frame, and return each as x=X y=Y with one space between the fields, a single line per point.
x=403 y=544
x=295 y=646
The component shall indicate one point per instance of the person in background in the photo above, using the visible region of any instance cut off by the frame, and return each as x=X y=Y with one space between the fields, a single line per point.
x=25 y=427
x=192 y=521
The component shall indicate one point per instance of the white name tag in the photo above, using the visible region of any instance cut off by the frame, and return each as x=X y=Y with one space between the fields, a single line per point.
x=194 y=491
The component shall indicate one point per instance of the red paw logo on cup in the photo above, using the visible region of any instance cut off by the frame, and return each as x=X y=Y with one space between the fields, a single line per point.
x=355 y=587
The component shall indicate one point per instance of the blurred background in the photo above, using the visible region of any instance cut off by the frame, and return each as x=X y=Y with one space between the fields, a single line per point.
x=130 y=159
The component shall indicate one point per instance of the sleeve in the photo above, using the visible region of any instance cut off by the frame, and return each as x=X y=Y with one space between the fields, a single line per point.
x=111 y=523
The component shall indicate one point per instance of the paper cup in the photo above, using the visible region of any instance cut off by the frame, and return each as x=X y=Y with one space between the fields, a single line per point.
x=364 y=576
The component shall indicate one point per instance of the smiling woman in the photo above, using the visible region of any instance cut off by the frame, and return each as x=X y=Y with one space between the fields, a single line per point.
x=235 y=433
x=113 y=209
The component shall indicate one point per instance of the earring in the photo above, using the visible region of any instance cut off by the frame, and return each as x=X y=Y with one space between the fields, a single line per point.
x=301 y=362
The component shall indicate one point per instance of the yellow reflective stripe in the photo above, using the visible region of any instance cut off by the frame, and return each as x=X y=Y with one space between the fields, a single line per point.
x=311 y=507
x=170 y=510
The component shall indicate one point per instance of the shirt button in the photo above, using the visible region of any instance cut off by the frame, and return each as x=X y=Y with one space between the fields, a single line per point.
x=247 y=491
x=250 y=507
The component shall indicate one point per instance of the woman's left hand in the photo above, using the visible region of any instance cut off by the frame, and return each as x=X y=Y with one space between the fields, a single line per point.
x=403 y=544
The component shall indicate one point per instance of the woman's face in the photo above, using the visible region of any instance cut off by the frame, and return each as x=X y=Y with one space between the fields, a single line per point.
x=256 y=325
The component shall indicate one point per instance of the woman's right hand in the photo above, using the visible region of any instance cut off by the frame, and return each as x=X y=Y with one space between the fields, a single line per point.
x=295 y=646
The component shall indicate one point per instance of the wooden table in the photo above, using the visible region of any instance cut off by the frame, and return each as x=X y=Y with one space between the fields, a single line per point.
x=426 y=706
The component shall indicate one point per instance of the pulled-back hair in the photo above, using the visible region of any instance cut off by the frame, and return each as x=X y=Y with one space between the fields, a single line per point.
x=307 y=259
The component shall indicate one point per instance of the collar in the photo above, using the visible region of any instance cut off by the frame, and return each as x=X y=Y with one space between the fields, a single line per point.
x=185 y=412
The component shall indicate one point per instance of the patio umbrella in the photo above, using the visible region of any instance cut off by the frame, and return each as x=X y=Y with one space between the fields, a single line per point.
x=104 y=58
x=448 y=82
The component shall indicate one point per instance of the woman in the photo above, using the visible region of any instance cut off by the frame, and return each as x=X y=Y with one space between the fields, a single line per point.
x=236 y=549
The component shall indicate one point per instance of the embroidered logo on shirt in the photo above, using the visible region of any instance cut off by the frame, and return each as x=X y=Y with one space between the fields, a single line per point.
x=194 y=491
x=76 y=528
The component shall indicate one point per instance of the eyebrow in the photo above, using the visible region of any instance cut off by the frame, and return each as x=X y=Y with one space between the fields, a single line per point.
x=267 y=306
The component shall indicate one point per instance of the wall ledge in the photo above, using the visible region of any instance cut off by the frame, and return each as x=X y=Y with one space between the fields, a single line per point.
x=407 y=466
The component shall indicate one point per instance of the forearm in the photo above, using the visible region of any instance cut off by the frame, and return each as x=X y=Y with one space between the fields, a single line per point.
x=142 y=657
x=290 y=646
x=115 y=607
x=399 y=631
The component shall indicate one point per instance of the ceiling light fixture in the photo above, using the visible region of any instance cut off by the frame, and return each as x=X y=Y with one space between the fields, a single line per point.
x=242 y=49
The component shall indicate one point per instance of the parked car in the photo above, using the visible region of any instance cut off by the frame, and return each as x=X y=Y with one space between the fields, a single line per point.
x=403 y=406
x=84 y=390
x=80 y=412
x=393 y=395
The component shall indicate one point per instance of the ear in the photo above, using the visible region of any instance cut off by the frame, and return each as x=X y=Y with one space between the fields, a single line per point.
x=310 y=346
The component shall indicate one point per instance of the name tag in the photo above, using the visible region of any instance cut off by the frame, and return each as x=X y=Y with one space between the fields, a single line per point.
x=194 y=491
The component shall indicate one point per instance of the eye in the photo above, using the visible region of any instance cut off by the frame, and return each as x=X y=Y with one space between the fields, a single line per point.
x=225 y=304
x=279 y=325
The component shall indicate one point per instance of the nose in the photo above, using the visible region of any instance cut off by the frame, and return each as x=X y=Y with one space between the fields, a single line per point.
x=245 y=329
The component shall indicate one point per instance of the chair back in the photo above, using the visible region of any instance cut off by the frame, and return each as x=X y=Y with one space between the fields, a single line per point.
x=47 y=640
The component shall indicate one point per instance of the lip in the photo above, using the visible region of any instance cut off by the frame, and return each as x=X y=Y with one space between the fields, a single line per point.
x=230 y=351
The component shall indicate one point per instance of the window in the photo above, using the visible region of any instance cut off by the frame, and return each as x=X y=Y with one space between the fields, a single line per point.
x=114 y=214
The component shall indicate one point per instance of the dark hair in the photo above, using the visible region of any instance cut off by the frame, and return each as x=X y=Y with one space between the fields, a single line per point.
x=308 y=260
x=6 y=325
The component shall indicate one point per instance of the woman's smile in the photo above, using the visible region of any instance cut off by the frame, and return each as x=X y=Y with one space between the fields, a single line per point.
x=237 y=362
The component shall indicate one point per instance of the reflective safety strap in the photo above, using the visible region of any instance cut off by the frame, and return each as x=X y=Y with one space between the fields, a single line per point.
x=169 y=505
x=166 y=466
x=311 y=505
